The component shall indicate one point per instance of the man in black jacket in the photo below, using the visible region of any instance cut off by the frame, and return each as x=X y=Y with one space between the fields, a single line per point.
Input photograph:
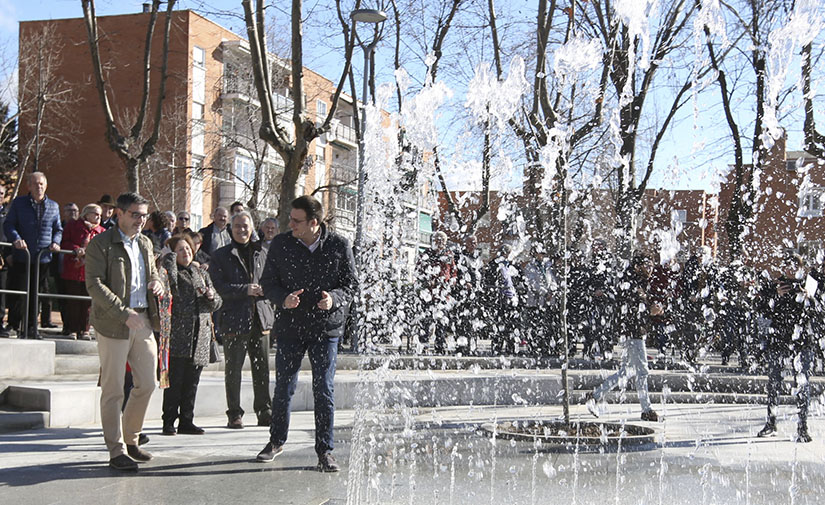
x=310 y=278
x=788 y=303
x=245 y=318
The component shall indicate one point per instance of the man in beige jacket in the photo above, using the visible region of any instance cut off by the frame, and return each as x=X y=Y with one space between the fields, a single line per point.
x=123 y=282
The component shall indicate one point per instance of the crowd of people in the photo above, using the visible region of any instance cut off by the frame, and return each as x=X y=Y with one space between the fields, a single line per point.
x=769 y=320
x=162 y=295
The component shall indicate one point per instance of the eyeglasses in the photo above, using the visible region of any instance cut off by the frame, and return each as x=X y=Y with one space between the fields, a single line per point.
x=183 y=218
x=138 y=215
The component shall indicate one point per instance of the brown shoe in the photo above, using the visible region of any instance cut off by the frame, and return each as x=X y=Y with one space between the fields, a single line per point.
x=650 y=415
x=236 y=423
x=123 y=463
x=137 y=454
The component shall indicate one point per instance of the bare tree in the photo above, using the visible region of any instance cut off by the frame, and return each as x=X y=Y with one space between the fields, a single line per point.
x=292 y=146
x=753 y=23
x=239 y=133
x=814 y=140
x=135 y=146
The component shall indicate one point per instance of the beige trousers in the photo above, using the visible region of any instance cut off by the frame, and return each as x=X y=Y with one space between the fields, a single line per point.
x=141 y=351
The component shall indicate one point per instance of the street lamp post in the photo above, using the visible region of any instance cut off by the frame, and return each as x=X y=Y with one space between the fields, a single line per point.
x=375 y=17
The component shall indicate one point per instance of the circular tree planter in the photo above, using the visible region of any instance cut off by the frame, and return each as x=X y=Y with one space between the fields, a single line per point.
x=581 y=433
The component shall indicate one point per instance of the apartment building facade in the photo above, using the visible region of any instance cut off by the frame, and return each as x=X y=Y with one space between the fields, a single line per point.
x=788 y=209
x=209 y=151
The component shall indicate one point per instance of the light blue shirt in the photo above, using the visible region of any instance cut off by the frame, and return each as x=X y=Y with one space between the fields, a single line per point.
x=137 y=292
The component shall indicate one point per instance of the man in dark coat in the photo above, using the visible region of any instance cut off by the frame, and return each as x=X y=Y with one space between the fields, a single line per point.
x=33 y=224
x=217 y=234
x=245 y=318
x=310 y=277
x=788 y=301
x=108 y=218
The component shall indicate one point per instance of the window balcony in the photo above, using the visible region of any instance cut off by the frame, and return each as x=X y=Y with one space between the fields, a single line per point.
x=342 y=134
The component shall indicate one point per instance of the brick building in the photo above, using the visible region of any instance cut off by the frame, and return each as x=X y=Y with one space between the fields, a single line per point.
x=684 y=217
x=789 y=208
x=208 y=150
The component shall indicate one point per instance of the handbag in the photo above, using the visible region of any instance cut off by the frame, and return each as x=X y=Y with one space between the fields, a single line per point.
x=214 y=351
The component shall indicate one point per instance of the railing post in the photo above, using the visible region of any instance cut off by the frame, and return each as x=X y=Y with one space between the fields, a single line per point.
x=26 y=306
x=36 y=286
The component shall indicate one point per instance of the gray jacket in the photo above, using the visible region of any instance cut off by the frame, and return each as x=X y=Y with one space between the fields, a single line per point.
x=191 y=311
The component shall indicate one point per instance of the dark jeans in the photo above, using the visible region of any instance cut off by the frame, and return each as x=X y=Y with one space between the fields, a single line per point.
x=179 y=397
x=802 y=364
x=76 y=317
x=17 y=281
x=322 y=355
x=235 y=349
x=538 y=331
x=4 y=274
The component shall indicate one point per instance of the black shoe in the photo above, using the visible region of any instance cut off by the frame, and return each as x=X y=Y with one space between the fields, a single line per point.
x=123 y=463
x=190 y=429
x=169 y=429
x=768 y=431
x=650 y=415
x=48 y=325
x=269 y=452
x=802 y=435
x=5 y=332
x=143 y=439
x=236 y=423
x=137 y=453
x=264 y=419
x=327 y=464
x=34 y=335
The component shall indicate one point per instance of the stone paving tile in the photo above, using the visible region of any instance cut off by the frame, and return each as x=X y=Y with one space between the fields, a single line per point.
x=707 y=454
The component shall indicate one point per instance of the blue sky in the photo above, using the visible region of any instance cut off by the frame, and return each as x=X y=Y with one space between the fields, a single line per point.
x=685 y=160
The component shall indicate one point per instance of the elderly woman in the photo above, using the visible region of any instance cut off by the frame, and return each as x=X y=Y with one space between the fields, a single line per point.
x=193 y=301
x=76 y=237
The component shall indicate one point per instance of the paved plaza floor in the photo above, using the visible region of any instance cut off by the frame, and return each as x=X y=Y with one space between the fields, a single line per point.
x=705 y=454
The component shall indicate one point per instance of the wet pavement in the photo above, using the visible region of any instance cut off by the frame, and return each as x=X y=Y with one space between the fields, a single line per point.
x=705 y=454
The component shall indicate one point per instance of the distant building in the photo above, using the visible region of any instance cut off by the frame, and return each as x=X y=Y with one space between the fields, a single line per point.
x=685 y=217
x=789 y=208
x=209 y=148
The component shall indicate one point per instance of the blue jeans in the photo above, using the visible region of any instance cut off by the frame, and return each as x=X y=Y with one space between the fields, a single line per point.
x=322 y=354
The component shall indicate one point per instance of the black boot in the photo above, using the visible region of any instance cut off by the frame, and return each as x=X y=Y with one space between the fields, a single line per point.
x=802 y=434
x=769 y=430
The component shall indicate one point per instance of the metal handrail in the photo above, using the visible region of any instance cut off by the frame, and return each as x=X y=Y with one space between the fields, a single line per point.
x=38 y=294
x=25 y=318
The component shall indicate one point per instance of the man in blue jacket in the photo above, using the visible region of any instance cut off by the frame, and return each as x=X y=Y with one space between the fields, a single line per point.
x=310 y=278
x=33 y=224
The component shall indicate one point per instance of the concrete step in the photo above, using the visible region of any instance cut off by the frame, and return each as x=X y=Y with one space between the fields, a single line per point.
x=681 y=397
x=26 y=358
x=14 y=419
x=74 y=400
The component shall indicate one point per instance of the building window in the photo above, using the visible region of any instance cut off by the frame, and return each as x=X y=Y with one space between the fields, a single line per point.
x=320 y=110
x=244 y=172
x=810 y=203
x=790 y=165
x=680 y=216
x=198 y=57
x=197 y=137
x=425 y=228
x=197 y=111
x=196 y=194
